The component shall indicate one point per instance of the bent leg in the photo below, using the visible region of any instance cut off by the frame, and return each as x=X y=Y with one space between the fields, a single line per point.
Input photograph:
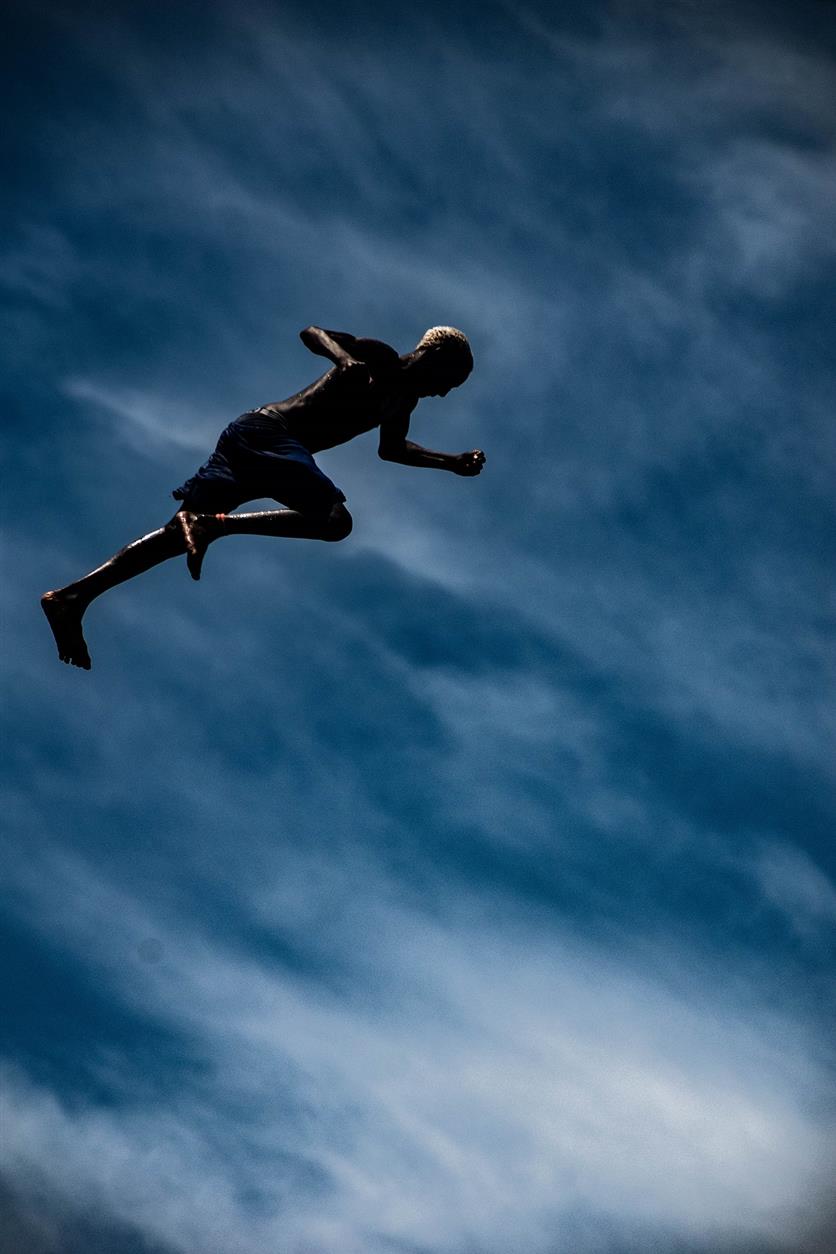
x=65 y=607
x=203 y=529
x=335 y=525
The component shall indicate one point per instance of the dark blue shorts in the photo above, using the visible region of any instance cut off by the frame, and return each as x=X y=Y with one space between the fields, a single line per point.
x=256 y=458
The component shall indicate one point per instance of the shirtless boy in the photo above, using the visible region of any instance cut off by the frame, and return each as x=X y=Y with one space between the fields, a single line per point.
x=268 y=452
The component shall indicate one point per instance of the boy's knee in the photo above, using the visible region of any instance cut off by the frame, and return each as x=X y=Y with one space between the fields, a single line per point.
x=339 y=524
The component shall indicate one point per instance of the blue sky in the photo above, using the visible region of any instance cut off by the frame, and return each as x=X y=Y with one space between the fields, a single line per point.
x=467 y=887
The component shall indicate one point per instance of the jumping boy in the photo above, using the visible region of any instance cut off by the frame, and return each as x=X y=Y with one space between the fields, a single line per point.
x=268 y=452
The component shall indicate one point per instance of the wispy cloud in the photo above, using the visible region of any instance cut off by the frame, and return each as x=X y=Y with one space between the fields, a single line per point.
x=144 y=421
x=511 y=1075
x=43 y=265
x=794 y=885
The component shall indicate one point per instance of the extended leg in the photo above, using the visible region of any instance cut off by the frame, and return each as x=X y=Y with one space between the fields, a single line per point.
x=65 y=607
x=185 y=533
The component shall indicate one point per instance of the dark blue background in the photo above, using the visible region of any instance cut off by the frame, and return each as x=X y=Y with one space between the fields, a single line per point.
x=466 y=886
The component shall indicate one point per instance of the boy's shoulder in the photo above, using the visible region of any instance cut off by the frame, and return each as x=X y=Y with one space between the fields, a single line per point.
x=376 y=354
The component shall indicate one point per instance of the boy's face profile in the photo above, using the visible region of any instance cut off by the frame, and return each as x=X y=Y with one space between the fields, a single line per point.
x=436 y=375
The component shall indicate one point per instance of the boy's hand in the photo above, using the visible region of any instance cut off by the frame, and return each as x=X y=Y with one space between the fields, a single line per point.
x=469 y=463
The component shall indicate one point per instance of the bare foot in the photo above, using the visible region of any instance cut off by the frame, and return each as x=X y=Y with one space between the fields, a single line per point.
x=199 y=530
x=63 y=611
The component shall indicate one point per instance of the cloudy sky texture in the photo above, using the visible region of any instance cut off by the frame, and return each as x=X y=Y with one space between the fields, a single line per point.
x=468 y=887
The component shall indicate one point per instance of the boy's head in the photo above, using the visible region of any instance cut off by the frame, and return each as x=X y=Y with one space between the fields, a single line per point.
x=443 y=360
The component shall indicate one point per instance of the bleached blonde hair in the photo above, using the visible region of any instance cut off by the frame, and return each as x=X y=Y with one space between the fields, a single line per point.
x=446 y=337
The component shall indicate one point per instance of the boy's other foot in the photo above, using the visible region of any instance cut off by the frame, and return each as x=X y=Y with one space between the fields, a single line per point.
x=199 y=530
x=63 y=612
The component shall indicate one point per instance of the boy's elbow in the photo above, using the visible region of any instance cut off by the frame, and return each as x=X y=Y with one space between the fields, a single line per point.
x=388 y=454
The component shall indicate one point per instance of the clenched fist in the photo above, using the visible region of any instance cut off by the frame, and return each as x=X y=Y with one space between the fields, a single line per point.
x=469 y=463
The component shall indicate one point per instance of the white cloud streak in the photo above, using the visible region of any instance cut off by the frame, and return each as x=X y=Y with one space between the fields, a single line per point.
x=144 y=421
x=793 y=884
x=513 y=1077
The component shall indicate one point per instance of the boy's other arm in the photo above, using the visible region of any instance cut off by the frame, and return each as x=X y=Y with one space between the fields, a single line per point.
x=343 y=348
x=395 y=447
x=335 y=345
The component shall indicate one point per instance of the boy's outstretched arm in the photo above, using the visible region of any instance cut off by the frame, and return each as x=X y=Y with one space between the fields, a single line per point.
x=395 y=447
